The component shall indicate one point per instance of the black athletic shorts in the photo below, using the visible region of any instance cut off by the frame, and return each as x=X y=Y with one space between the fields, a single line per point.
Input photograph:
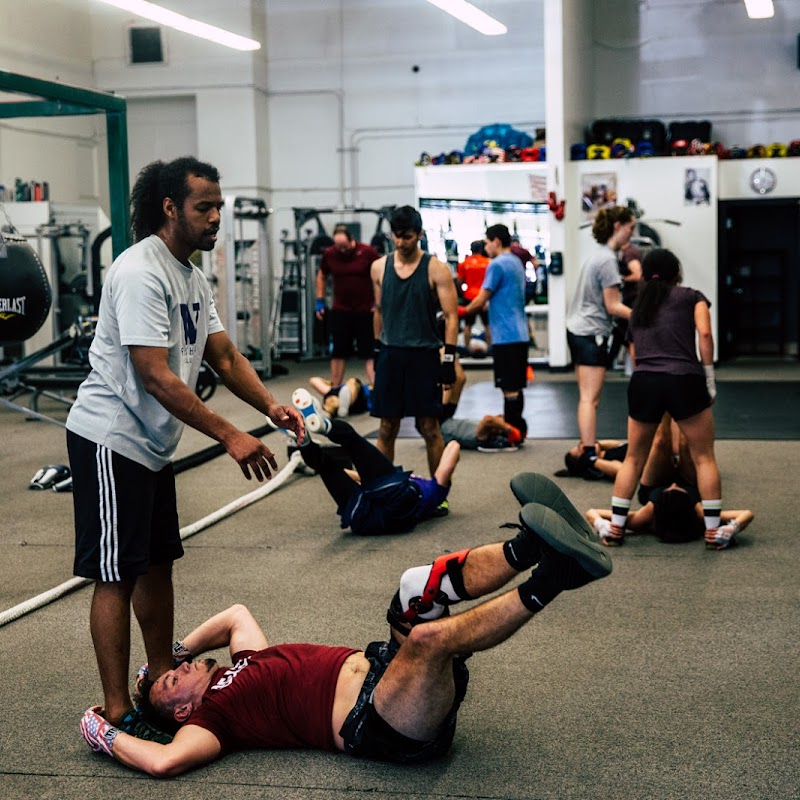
x=651 y=394
x=649 y=494
x=126 y=516
x=347 y=328
x=367 y=735
x=407 y=383
x=588 y=351
x=510 y=366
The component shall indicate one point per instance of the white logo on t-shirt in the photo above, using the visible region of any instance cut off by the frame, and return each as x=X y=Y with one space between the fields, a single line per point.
x=230 y=674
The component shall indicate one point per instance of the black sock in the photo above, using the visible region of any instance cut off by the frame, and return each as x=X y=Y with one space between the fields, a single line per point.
x=521 y=552
x=538 y=591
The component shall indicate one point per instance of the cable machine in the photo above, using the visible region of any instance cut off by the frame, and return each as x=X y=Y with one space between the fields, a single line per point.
x=240 y=275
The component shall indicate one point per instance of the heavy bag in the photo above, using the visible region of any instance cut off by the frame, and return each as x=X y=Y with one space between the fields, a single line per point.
x=25 y=295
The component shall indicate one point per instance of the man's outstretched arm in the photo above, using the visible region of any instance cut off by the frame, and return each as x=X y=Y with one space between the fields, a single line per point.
x=191 y=747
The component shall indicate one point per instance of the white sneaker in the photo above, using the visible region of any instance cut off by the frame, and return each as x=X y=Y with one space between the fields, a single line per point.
x=313 y=416
x=345 y=398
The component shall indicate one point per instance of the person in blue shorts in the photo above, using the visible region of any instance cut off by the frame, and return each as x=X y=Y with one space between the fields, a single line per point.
x=377 y=497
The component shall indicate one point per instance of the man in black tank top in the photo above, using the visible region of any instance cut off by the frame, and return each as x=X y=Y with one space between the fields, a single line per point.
x=410 y=286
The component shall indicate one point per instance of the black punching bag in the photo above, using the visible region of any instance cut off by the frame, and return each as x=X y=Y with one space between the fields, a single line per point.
x=25 y=296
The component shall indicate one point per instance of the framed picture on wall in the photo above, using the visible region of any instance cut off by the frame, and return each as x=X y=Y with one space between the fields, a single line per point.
x=598 y=190
x=696 y=187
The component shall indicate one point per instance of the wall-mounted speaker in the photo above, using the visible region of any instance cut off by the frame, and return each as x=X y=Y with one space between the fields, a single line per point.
x=145 y=45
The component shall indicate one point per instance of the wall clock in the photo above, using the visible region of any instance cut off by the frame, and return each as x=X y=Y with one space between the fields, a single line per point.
x=763 y=180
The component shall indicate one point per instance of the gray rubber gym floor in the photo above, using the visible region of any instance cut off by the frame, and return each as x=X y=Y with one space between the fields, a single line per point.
x=676 y=677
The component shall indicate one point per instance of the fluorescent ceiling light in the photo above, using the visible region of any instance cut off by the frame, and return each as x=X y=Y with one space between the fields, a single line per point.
x=759 y=9
x=186 y=24
x=469 y=15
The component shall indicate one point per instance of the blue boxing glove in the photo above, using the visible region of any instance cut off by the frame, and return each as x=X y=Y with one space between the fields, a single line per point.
x=319 y=307
x=447 y=369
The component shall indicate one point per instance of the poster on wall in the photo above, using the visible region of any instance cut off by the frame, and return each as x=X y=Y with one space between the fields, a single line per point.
x=695 y=187
x=598 y=190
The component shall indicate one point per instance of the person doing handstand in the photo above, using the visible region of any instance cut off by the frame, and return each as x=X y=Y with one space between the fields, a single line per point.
x=396 y=701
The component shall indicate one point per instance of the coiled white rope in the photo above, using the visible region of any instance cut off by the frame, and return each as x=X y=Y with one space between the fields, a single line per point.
x=190 y=530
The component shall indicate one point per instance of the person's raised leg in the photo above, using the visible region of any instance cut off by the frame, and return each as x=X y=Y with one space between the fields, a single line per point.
x=339 y=485
x=110 y=626
x=417 y=691
x=370 y=463
x=320 y=385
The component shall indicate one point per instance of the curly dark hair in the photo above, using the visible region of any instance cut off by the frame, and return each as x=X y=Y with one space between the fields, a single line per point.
x=603 y=226
x=157 y=181
x=675 y=518
x=661 y=270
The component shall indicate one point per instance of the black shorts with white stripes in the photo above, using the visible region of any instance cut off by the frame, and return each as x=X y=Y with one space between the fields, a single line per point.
x=126 y=516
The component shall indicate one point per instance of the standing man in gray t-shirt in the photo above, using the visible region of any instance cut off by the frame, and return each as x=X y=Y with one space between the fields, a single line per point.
x=156 y=324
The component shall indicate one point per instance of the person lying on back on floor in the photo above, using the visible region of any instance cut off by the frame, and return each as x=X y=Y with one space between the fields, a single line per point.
x=609 y=457
x=351 y=397
x=396 y=701
x=377 y=497
x=671 y=506
x=490 y=434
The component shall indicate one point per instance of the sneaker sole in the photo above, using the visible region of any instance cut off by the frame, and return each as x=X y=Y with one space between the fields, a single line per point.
x=533 y=487
x=555 y=531
x=498 y=449
x=304 y=403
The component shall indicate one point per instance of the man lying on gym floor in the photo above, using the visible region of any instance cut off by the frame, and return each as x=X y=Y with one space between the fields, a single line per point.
x=396 y=701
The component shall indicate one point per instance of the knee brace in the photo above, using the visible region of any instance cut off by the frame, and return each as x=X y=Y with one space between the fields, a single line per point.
x=440 y=584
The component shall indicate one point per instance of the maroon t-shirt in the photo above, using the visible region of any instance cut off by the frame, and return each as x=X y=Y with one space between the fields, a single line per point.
x=668 y=345
x=522 y=254
x=278 y=697
x=352 y=285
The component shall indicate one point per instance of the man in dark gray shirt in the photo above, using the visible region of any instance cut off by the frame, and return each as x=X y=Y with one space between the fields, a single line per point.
x=409 y=284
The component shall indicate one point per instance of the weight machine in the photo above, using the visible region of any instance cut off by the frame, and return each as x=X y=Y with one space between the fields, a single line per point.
x=295 y=329
x=241 y=279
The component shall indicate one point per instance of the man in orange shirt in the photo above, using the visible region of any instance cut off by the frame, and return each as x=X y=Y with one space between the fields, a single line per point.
x=470 y=274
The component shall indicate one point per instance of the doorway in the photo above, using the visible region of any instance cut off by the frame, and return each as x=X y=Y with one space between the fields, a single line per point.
x=759 y=278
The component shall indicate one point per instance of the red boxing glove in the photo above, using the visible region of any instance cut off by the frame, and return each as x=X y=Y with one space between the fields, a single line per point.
x=462 y=312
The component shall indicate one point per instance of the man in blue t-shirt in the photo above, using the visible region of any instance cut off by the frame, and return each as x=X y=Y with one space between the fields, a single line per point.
x=504 y=284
